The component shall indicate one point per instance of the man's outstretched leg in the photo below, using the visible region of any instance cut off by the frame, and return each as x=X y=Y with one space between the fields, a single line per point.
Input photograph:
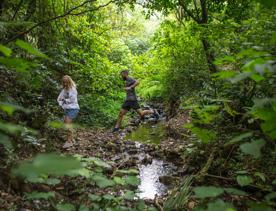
x=119 y=119
x=147 y=112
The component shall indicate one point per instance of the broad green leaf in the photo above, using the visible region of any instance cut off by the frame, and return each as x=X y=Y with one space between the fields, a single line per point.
x=250 y=52
x=240 y=138
x=129 y=195
x=260 y=175
x=39 y=195
x=241 y=172
x=20 y=65
x=220 y=205
x=49 y=181
x=234 y=191
x=5 y=141
x=253 y=148
x=65 y=207
x=128 y=171
x=224 y=74
x=257 y=77
x=240 y=77
x=97 y=162
x=244 y=180
x=132 y=180
x=80 y=172
x=83 y=208
x=47 y=164
x=10 y=109
x=207 y=191
x=203 y=134
x=119 y=180
x=225 y=59
x=30 y=49
x=102 y=181
x=11 y=128
x=94 y=197
x=270 y=196
x=108 y=197
x=5 y=50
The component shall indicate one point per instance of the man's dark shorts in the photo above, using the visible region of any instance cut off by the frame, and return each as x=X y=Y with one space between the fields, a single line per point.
x=130 y=105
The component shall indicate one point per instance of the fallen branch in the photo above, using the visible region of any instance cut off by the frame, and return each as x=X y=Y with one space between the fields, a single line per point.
x=157 y=205
x=219 y=177
x=204 y=170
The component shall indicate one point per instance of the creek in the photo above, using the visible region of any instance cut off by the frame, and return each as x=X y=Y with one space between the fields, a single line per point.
x=154 y=168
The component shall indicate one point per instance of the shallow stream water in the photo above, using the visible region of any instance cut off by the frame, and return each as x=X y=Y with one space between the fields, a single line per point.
x=149 y=174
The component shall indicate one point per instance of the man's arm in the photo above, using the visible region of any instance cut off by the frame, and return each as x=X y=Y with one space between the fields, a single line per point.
x=136 y=83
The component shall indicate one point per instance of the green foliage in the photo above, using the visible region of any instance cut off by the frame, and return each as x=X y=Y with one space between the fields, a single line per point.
x=30 y=49
x=39 y=195
x=49 y=164
x=65 y=207
x=102 y=181
x=178 y=199
x=5 y=50
x=253 y=148
x=232 y=108
x=265 y=110
x=244 y=180
x=205 y=135
x=220 y=205
x=210 y=191
x=132 y=180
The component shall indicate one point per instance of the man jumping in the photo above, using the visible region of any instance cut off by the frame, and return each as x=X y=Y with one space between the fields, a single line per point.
x=131 y=101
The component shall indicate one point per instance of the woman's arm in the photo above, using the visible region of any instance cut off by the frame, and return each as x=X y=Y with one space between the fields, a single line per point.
x=60 y=98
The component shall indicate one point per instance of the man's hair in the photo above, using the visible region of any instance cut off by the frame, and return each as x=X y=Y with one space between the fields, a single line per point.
x=124 y=71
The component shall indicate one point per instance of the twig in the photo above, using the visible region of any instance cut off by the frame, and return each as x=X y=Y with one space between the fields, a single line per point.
x=219 y=177
x=206 y=167
x=157 y=205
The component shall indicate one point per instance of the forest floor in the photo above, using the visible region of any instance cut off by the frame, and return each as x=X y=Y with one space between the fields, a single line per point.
x=121 y=153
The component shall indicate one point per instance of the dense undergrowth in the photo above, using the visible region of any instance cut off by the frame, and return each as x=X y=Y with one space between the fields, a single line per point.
x=215 y=59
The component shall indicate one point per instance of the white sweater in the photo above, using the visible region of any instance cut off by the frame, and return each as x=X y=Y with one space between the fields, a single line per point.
x=68 y=99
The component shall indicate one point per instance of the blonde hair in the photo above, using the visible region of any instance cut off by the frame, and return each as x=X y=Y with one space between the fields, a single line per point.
x=67 y=82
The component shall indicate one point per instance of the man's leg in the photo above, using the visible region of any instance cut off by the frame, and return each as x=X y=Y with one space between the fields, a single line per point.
x=143 y=113
x=120 y=118
x=147 y=112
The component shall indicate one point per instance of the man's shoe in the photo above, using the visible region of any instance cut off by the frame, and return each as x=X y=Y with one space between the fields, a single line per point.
x=115 y=130
x=156 y=114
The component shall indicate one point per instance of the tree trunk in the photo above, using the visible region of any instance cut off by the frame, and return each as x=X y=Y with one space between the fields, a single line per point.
x=1 y=7
x=208 y=51
x=209 y=55
x=173 y=107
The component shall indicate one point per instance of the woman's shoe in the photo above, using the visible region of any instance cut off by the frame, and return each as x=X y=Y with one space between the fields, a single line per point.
x=67 y=145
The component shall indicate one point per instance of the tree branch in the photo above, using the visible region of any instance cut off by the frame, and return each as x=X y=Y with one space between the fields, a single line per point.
x=69 y=12
x=196 y=9
x=204 y=11
x=93 y=9
x=17 y=9
x=185 y=8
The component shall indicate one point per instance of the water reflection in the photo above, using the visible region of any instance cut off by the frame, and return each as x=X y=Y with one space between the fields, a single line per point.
x=149 y=175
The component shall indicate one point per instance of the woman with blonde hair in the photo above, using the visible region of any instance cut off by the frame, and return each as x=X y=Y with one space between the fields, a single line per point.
x=68 y=100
